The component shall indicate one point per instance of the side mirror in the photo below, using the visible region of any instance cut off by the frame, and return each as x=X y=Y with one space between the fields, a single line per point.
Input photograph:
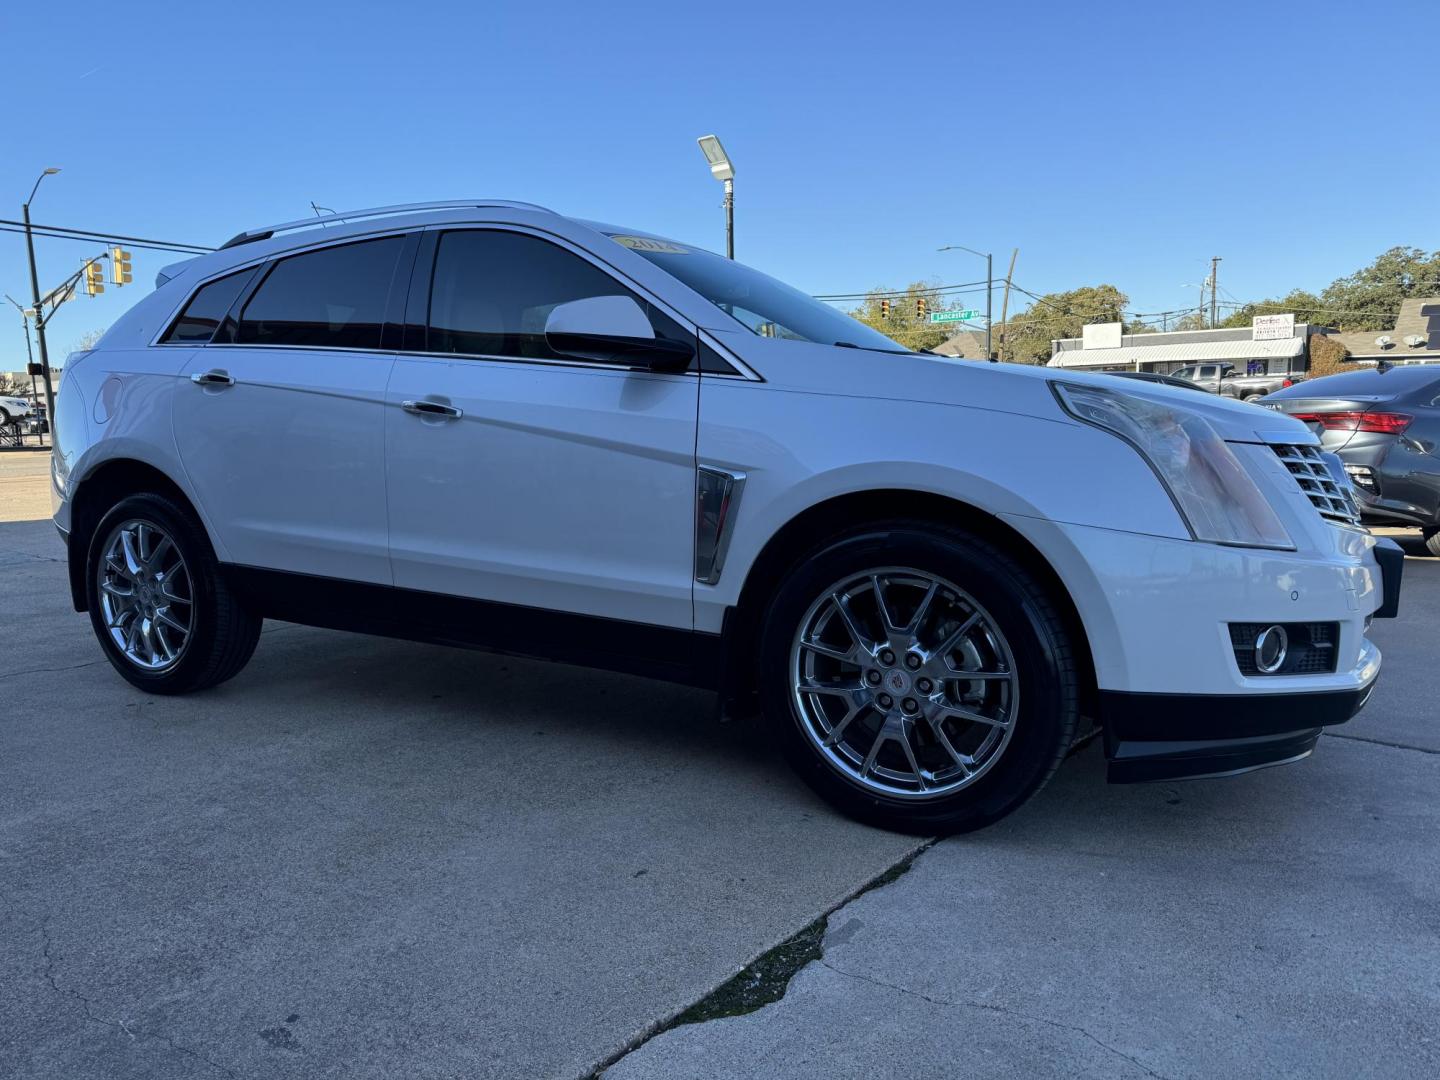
x=613 y=330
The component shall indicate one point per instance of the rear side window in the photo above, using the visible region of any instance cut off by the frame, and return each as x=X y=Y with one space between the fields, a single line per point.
x=492 y=292
x=197 y=323
x=332 y=298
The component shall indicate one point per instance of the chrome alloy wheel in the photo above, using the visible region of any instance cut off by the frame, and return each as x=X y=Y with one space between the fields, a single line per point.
x=904 y=683
x=146 y=595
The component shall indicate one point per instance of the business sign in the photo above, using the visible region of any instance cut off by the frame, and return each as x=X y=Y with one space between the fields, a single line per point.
x=1105 y=335
x=953 y=316
x=1272 y=327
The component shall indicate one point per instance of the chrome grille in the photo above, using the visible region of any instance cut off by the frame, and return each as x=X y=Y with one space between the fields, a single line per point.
x=1329 y=495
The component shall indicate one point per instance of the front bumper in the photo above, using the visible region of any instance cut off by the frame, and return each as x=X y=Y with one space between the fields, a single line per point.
x=1152 y=737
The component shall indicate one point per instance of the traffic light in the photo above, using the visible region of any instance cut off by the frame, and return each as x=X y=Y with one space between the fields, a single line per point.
x=920 y=307
x=884 y=309
x=120 y=266
x=94 y=277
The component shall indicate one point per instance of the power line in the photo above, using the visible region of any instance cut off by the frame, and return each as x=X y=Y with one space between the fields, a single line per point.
x=61 y=232
x=81 y=239
x=891 y=294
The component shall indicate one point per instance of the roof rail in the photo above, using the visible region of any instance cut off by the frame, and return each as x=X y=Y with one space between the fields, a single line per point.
x=267 y=231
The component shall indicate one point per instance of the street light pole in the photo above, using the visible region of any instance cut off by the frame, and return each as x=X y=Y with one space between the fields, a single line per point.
x=722 y=169
x=39 y=313
x=730 y=218
x=29 y=355
x=989 y=289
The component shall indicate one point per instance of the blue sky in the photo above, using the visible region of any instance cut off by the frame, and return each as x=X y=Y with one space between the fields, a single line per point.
x=1121 y=143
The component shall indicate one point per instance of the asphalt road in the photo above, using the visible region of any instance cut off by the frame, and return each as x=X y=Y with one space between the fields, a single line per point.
x=370 y=858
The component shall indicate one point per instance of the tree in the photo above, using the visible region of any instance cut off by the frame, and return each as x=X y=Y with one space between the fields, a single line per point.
x=86 y=341
x=1327 y=356
x=1369 y=299
x=904 y=325
x=1059 y=315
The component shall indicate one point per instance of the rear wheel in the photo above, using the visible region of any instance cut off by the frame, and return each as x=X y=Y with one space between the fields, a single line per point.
x=163 y=613
x=5 y=418
x=1432 y=540
x=918 y=678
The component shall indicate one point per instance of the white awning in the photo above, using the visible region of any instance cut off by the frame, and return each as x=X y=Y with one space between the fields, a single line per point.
x=1194 y=352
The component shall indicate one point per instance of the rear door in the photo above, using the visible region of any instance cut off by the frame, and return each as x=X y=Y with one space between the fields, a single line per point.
x=280 y=423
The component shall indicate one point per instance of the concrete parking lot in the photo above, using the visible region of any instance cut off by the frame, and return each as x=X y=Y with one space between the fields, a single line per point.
x=371 y=858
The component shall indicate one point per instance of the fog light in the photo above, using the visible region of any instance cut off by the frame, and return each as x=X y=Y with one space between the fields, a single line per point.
x=1271 y=645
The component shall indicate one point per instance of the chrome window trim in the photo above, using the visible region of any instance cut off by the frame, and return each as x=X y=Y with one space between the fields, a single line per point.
x=619 y=275
x=248 y=264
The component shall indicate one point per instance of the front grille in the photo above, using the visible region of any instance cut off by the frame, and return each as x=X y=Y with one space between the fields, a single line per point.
x=1327 y=494
x=1311 y=648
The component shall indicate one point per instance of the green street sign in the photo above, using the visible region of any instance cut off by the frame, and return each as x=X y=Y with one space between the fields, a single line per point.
x=953 y=316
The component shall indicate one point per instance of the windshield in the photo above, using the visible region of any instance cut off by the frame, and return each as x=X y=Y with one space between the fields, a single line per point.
x=767 y=307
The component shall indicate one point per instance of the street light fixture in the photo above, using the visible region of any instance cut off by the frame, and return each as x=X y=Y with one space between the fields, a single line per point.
x=723 y=170
x=989 y=287
x=39 y=311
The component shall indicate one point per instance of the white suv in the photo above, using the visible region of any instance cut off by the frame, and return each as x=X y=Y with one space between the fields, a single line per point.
x=487 y=424
x=13 y=410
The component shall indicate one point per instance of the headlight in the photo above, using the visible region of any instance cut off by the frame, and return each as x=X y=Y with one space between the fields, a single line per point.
x=1213 y=492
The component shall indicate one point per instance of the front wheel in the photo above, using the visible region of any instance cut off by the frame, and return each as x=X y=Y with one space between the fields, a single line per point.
x=918 y=678
x=161 y=609
x=1432 y=540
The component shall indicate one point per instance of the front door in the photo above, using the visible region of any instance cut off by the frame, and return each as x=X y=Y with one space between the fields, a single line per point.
x=528 y=478
x=281 y=427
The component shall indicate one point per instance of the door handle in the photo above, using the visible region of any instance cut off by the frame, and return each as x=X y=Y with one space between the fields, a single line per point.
x=431 y=408
x=214 y=377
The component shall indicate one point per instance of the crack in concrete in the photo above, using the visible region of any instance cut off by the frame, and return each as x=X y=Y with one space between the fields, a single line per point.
x=49 y=670
x=87 y=1006
x=102 y=660
x=694 y=1013
x=1384 y=742
x=999 y=1009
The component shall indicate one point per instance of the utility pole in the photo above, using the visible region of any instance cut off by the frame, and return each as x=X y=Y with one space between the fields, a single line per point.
x=1214 y=287
x=1005 y=304
x=39 y=311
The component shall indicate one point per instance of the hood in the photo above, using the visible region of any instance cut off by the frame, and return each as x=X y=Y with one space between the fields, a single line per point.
x=1017 y=388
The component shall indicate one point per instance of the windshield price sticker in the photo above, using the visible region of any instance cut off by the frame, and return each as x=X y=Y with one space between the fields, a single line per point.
x=645 y=243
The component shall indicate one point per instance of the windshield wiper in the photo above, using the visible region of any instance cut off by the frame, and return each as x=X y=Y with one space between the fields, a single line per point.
x=871 y=348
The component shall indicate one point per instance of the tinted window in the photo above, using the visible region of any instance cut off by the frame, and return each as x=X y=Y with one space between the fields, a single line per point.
x=492 y=292
x=207 y=307
x=334 y=297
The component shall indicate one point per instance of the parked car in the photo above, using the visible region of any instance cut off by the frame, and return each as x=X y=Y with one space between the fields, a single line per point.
x=1156 y=377
x=1384 y=423
x=13 y=410
x=1223 y=379
x=488 y=424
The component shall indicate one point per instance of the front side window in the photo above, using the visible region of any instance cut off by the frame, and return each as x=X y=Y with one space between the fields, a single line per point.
x=762 y=304
x=333 y=298
x=492 y=292
x=202 y=315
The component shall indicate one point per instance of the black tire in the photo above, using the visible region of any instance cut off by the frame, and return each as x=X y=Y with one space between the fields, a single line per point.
x=5 y=418
x=223 y=632
x=1253 y=397
x=1026 y=614
x=1431 y=537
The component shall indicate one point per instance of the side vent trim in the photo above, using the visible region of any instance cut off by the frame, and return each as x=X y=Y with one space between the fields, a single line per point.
x=717 y=494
